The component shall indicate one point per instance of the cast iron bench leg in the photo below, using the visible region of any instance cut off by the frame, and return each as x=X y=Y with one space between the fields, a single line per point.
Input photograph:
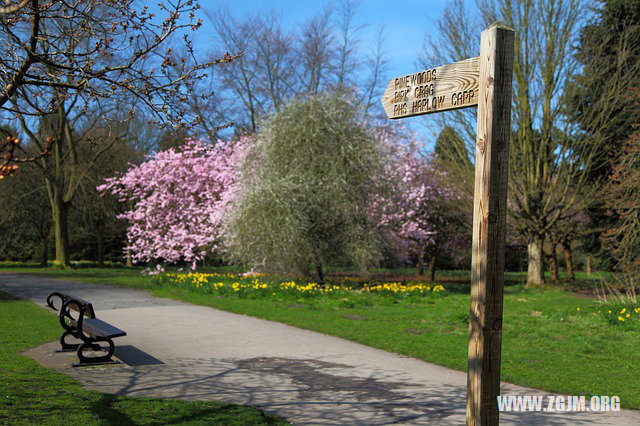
x=104 y=359
x=68 y=347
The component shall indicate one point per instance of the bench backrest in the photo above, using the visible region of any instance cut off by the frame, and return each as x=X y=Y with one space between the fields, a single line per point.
x=77 y=304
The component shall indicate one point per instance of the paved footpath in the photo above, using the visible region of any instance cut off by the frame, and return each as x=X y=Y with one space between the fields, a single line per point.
x=178 y=350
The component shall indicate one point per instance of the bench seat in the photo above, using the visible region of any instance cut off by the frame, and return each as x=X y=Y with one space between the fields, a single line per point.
x=96 y=328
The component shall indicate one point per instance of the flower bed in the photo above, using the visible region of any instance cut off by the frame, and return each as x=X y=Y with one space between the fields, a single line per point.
x=259 y=286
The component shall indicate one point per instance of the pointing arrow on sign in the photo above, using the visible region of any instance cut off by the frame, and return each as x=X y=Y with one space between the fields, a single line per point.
x=450 y=86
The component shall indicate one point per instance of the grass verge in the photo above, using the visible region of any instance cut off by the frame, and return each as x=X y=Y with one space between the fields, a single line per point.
x=32 y=394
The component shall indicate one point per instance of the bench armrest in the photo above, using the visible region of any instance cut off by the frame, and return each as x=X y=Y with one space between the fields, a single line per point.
x=63 y=298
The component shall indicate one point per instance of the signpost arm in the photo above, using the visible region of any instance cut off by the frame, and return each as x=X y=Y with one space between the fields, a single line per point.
x=489 y=223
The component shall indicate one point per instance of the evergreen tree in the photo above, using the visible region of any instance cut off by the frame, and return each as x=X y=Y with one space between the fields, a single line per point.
x=609 y=53
x=451 y=150
x=600 y=101
x=623 y=200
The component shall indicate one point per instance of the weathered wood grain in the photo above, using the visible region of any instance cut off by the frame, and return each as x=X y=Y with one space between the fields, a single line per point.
x=489 y=224
x=437 y=89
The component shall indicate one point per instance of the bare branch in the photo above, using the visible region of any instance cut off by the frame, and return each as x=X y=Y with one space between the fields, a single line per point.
x=12 y=8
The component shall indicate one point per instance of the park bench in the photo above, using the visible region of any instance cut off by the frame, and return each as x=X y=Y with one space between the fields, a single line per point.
x=85 y=327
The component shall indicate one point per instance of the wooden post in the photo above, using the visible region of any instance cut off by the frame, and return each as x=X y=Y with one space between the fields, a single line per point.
x=486 y=82
x=489 y=223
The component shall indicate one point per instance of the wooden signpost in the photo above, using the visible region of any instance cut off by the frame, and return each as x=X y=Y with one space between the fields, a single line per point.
x=442 y=88
x=484 y=81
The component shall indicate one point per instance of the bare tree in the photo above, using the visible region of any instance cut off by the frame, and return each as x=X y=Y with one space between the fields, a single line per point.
x=66 y=65
x=454 y=39
x=95 y=50
x=377 y=66
x=263 y=78
x=277 y=66
x=315 y=53
x=549 y=158
x=76 y=150
x=347 y=45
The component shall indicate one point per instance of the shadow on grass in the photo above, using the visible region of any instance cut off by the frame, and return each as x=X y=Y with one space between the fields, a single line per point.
x=459 y=282
x=111 y=408
x=6 y=297
x=103 y=409
x=21 y=265
x=75 y=265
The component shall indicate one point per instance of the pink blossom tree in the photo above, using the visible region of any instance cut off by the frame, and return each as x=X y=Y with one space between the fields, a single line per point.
x=178 y=199
x=417 y=204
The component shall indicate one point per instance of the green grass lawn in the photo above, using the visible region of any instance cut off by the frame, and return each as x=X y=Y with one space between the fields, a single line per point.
x=547 y=342
x=31 y=394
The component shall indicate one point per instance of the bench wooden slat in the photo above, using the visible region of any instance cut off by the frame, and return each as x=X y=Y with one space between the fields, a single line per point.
x=97 y=327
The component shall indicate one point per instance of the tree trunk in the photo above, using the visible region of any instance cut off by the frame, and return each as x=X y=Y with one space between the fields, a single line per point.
x=535 y=271
x=422 y=261
x=60 y=211
x=129 y=261
x=320 y=273
x=568 y=259
x=432 y=267
x=44 y=231
x=44 y=258
x=553 y=263
x=588 y=264
x=100 y=244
